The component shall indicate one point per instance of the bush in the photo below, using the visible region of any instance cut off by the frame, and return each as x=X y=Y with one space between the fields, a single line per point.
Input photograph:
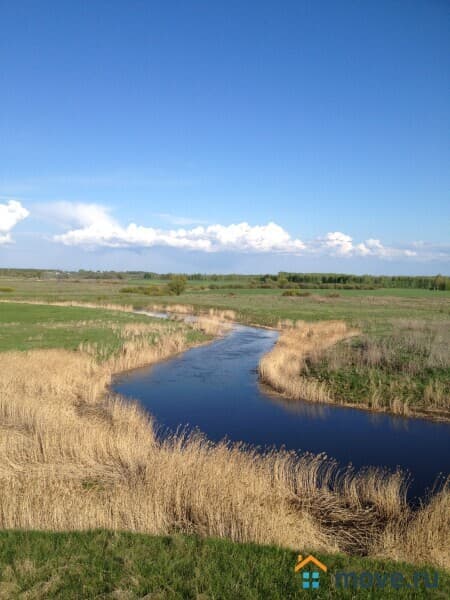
x=6 y=289
x=177 y=284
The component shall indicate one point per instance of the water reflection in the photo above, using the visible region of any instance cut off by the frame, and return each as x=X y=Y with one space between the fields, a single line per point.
x=394 y=421
x=296 y=407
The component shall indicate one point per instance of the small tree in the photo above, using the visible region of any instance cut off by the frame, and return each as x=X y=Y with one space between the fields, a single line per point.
x=439 y=283
x=282 y=281
x=177 y=284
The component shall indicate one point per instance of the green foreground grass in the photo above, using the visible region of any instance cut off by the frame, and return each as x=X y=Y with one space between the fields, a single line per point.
x=102 y=564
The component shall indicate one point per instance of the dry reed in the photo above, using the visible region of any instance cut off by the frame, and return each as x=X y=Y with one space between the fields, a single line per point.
x=212 y=325
x=188 y=309
x=281 y=368
x=106 y=305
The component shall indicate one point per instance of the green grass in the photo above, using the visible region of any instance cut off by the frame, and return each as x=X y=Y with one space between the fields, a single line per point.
x=410 y=366
x=29 y=326
x=372 y=308
x=354 y=384
x=102 y=564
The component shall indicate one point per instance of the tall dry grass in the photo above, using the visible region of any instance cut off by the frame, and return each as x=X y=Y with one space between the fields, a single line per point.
x=211 y=325
x=76 y=457
x=106 y=305
x=282 y=367
x=223 y=315
x=424 y=533
x=189 y=309
x=182 y=309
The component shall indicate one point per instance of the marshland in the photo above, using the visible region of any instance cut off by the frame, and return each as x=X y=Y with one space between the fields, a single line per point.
x=78 y=456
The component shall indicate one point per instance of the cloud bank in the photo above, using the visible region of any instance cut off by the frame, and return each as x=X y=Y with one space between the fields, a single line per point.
x=11 y=213
x=91 y=226
x=98 y=228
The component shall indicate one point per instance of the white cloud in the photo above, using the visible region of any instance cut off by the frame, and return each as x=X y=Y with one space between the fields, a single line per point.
x=340 y=244
x=91 y=226
x=100 y=229
x=72 y=214
x=11 y=213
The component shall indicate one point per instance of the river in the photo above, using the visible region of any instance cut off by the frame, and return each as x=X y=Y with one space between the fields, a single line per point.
x=215 y=388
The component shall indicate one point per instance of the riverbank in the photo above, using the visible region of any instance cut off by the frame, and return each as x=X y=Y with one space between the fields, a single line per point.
x=331 y=363
x=76 y=457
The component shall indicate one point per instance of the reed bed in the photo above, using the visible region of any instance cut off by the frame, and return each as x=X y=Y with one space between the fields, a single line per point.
x=181 y=309
x=76 y=457
x=223 y=315
x=188 y=309
x=106 y=305
x=282 y=367
x=211 y=325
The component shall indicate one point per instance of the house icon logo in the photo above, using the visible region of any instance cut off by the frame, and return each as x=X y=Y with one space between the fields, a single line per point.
x=310 y=567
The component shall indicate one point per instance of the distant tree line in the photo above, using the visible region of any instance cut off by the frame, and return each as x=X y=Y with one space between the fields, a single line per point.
x=342 y=281
x=283 y=279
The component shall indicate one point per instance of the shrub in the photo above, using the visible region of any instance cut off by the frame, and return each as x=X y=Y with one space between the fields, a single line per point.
x=177 y=284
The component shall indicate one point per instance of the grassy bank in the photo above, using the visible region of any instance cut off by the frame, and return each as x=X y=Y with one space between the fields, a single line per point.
x=407 y=372
x=102 y=564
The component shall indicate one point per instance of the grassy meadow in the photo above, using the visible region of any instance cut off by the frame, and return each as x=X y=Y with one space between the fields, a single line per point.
x=371 y=308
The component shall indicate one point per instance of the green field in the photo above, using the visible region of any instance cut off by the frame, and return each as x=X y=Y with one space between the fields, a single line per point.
x=29 y=326
x=370 y=308
x=101 y=564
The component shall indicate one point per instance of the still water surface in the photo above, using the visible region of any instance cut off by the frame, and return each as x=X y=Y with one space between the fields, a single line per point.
x=215 y=388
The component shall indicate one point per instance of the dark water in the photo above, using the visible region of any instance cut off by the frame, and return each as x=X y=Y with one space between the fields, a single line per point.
x=215 y=388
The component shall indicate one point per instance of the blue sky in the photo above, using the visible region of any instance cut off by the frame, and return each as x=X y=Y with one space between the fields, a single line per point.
x=225 y=136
